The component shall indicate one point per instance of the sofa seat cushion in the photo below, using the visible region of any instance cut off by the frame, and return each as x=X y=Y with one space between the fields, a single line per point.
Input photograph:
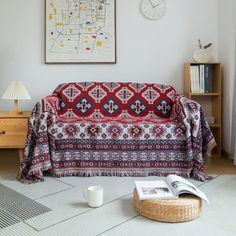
x=118 y=129
x=114 y=147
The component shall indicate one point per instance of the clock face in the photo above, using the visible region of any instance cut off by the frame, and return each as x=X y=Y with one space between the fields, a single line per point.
x=153 y=9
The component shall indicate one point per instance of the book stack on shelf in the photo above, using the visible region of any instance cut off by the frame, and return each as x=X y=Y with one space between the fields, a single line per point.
x=202 y=83
x=201 y=78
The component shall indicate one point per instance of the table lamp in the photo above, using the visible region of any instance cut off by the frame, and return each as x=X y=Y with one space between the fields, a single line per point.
x=16 y=91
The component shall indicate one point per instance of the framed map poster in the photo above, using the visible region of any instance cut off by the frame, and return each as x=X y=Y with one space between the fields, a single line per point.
x=80 y=31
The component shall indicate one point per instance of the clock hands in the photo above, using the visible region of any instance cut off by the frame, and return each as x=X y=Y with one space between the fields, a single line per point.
x=153 y=5
x=153 y=9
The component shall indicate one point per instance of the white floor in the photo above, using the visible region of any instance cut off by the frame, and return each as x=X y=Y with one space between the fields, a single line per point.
x=70 y=214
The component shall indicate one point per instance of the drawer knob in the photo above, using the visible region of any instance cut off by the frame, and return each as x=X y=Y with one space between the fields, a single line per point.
x=2 y=132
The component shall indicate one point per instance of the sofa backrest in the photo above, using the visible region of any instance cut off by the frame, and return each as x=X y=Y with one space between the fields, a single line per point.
x=100 y=99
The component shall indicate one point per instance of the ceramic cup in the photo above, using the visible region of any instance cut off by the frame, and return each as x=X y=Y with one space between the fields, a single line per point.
x=94 y=196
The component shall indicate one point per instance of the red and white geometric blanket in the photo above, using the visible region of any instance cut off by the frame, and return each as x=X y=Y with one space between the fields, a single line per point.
x=117 y=146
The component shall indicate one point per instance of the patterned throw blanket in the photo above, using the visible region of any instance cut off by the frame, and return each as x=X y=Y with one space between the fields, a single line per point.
x=116 y=146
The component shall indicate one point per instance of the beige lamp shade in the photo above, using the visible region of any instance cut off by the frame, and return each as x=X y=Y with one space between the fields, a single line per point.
x=16 y=91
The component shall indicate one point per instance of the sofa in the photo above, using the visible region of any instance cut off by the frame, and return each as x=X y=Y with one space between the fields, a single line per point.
x=116 y=129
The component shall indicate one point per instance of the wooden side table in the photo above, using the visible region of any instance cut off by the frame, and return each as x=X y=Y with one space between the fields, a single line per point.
x=13 y=130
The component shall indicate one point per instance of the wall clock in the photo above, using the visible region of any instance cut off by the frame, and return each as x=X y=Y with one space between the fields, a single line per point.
x=153 y=9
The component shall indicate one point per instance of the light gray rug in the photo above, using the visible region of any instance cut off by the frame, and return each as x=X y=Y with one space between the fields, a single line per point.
x=15 y=207
x=67 y=213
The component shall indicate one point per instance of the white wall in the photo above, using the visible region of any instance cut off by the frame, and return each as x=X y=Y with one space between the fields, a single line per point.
x=151 y=51
x=227 y=37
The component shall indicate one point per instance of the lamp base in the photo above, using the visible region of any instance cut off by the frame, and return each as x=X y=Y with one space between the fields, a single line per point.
x=15 y=108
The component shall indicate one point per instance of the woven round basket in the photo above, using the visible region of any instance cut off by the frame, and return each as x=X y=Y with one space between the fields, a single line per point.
x=185 y=208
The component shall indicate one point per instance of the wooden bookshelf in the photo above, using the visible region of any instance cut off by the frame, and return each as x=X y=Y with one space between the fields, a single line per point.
x=210 y=101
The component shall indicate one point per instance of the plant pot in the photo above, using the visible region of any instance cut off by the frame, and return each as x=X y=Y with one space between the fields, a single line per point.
x=202 y=55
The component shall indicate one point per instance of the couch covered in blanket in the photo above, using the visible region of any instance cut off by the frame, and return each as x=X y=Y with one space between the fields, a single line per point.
x=116 y=129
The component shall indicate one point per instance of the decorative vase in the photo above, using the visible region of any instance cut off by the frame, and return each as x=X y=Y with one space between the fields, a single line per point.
x=202 y=55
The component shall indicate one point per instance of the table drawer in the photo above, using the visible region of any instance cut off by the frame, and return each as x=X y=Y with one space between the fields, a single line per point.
x=13 y=133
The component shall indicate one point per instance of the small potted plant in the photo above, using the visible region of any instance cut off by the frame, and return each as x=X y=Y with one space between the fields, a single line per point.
x=203 y=53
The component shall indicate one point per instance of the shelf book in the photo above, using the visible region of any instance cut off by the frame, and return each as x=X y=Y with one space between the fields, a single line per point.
x=171 y=187
x=201 y=78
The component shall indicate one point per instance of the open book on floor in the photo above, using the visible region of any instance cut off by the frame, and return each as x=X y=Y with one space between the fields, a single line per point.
x=171 y=187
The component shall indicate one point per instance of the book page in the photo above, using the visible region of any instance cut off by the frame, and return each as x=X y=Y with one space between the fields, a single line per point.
x=181 y=185
x=154 y=190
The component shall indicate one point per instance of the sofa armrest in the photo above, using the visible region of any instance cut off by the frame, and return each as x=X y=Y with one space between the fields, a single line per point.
x=191 y=114
x=199 y=138
x=188 y=112
x=43 y=113
x=37 y=147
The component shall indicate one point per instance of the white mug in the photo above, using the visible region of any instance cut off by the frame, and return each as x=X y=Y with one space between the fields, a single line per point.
x=94 y=196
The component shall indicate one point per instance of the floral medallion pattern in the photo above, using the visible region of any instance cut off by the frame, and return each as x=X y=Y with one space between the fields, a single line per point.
x=93 y=131
x=157 y=131
x=114 y=131
x=71 y=130
x=136 y=131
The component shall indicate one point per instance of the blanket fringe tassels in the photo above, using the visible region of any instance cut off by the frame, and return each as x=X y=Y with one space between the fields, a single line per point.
x=210 y=147
x=115 y=173
x=35 y=175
